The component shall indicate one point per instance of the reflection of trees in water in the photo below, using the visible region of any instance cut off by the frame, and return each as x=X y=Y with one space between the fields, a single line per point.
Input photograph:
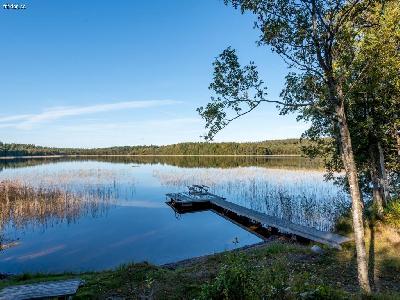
x=180 y=161
x=23 y=205
x=302 y=197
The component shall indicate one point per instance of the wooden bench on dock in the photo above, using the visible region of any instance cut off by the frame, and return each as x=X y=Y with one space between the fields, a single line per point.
x=217 y=203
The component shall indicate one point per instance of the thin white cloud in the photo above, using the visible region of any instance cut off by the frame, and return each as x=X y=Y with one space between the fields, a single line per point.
x=27 y=121
x=14 y=118
x=151 y=125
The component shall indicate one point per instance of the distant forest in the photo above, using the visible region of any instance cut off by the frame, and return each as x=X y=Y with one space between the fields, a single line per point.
x=271 y=147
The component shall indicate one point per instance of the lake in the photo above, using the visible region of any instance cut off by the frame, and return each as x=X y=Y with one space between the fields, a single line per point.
x=114 y=210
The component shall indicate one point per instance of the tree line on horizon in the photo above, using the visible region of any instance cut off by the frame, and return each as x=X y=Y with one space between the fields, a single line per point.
x=268 y=147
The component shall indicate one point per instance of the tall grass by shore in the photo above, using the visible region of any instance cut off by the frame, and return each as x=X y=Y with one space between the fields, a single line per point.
x=22 y=204
x=299 y=196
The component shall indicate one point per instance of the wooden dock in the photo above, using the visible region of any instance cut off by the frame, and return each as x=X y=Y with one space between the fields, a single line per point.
x=63 y=289
x=219 y=204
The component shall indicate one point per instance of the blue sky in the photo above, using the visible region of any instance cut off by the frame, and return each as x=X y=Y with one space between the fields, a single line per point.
x=102 y=73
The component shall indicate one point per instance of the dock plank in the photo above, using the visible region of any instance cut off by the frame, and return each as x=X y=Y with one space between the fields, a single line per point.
x=41 y=290
x=283 y=226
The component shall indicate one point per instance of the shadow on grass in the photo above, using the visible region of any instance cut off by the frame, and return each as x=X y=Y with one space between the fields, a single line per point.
x=384 y=257
x=371 y=265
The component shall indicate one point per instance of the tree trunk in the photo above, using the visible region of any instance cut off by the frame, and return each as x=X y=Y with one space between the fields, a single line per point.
x=397 y=133
x=357 y=204
x=377 y=192
x=383 y=176
x=377 y=178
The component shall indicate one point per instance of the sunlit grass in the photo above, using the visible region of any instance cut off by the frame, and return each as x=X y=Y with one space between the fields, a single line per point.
x=392 y=213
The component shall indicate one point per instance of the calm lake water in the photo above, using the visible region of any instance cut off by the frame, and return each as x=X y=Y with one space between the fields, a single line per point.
x=119 y=213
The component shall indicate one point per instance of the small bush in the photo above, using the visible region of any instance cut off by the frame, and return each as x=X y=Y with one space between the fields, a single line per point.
x=309 y=286
x=235 y=280
x=344 y=224
x=323 y=292
x=273 y=281
x=239 y=279
x=392 y=213
x=391 y=265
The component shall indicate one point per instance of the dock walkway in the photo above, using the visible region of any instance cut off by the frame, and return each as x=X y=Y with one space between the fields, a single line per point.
x=44 y=290
x=283 y=226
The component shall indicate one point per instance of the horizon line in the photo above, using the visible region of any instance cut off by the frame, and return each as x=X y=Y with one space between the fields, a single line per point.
x=157 y=145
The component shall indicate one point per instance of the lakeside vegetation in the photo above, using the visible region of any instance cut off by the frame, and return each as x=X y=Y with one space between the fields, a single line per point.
x=22 y=204
x=270 y=147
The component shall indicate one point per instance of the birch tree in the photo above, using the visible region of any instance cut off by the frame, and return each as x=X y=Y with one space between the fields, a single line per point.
x=311 y=36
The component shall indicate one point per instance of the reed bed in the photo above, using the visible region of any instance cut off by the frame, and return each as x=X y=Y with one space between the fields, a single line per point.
x=97 y=182
x=24 y=205
x=67 y=177
x=40 y=198
x=300 y=196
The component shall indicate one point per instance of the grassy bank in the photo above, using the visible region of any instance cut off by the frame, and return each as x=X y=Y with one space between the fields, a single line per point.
x=276 y=270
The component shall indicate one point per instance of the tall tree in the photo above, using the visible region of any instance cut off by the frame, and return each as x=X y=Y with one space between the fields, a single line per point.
x=311 y=36
x=372 y=104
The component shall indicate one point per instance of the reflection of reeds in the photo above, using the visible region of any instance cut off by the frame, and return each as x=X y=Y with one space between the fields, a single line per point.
x=22 y=204
x=300 y=196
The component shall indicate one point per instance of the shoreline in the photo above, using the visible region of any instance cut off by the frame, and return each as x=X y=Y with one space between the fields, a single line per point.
x=149 y=155
x=171 y=265
x=199 y=259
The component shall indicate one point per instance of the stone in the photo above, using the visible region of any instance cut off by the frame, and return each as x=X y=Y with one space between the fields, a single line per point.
x=317 y=249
